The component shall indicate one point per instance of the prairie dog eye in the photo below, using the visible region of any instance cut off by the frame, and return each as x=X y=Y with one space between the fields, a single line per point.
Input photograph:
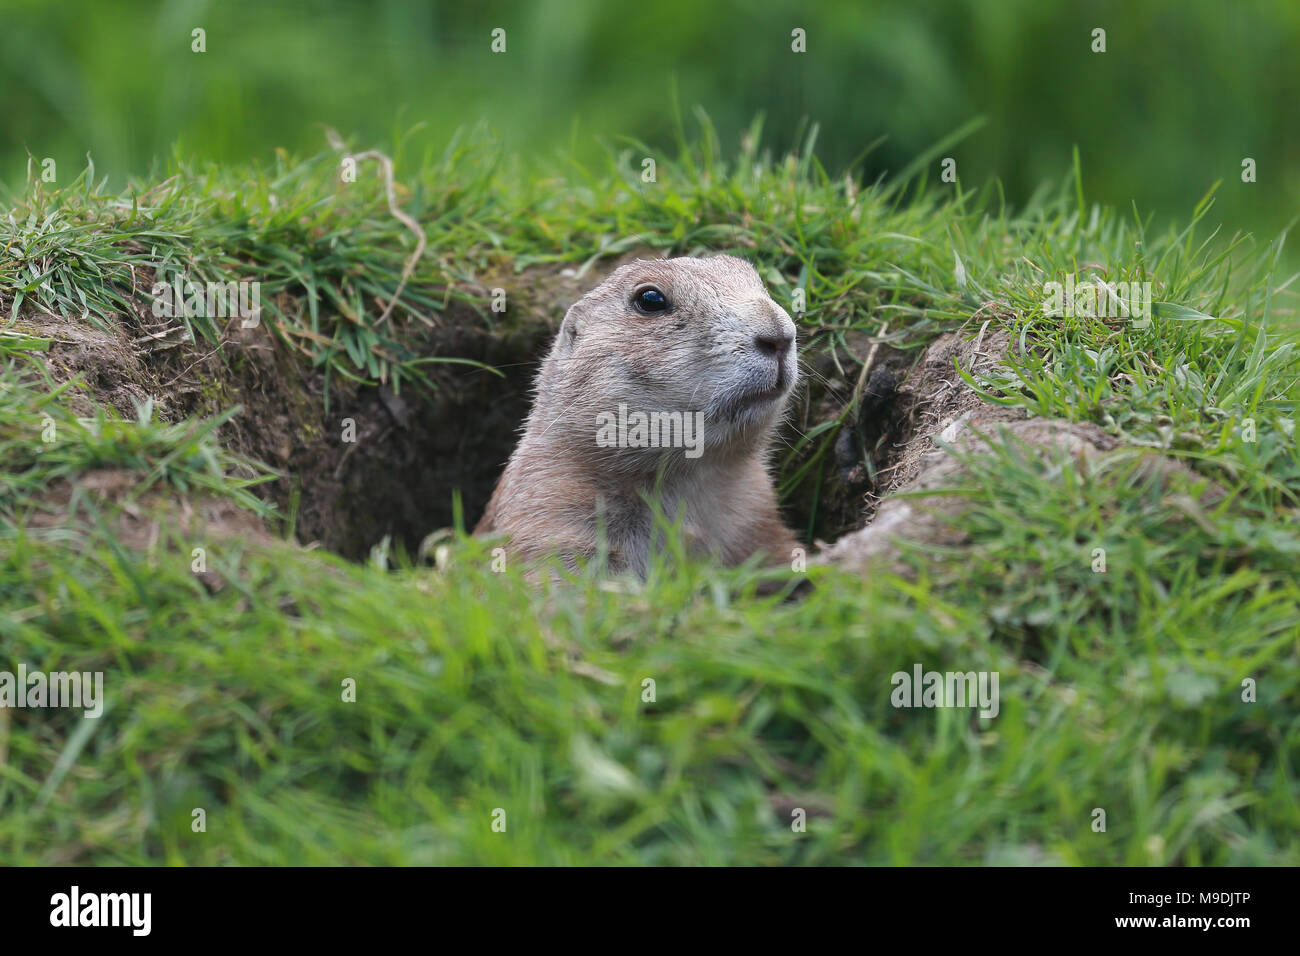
x=649 y=299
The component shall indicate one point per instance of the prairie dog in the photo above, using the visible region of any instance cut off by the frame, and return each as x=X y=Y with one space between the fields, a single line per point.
x=694 y=350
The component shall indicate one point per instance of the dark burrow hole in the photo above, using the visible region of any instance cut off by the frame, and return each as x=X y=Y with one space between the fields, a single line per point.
x=415 y=451
x=851 y=466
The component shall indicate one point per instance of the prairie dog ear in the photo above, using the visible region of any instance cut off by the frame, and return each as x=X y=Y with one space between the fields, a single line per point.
x=569 y=328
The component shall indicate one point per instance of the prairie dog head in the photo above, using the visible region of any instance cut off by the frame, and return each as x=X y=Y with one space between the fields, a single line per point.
x=675 y=336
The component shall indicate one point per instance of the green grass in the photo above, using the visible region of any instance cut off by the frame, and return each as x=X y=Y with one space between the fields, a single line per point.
x=477 y=691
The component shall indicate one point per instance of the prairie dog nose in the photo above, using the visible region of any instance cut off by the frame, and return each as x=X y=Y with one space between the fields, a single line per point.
x=775 y=344
x=775 y=332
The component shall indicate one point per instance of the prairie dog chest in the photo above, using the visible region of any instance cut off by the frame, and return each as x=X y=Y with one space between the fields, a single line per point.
x=709 y=511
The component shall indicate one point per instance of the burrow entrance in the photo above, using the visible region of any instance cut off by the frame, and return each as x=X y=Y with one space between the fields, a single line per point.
x=412 y=452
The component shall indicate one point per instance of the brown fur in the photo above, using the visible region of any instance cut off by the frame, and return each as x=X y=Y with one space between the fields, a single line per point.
x=561 y=488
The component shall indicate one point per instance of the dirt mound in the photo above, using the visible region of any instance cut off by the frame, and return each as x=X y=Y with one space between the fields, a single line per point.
x=937 y=414
x=890 y=417
x=939 y=403
x=943 y=421
x=932 y=522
